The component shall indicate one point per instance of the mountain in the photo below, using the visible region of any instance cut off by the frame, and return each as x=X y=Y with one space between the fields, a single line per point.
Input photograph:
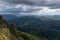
x=9 y=16
x=9 y=32
x=54 y=17
x=43 y=26
x=49 y=22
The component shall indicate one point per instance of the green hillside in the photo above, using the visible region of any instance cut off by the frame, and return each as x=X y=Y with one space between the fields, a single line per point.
x=8 y=32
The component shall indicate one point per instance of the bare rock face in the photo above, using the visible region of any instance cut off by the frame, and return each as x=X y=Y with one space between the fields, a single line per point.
x=5 y=34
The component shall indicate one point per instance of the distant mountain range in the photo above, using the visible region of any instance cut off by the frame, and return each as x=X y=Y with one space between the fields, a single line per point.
x=43 y=26
x=9 y=16
x=42 y=21
x=8 y=31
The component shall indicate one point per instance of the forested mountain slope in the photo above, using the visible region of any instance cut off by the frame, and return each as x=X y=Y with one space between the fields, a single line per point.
x=8 y=32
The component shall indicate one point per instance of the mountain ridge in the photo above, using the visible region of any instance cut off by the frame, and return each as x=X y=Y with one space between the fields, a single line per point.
x=9 y=32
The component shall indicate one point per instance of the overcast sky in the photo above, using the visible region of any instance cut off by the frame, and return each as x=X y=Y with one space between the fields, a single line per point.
x=30 y=7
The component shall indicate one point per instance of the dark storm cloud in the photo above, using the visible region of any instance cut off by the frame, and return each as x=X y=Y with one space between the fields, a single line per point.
x=28 y=2
x=20 y=2
x=48 y=3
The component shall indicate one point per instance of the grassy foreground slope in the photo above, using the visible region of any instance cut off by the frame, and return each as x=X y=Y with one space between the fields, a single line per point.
x=8 y=32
